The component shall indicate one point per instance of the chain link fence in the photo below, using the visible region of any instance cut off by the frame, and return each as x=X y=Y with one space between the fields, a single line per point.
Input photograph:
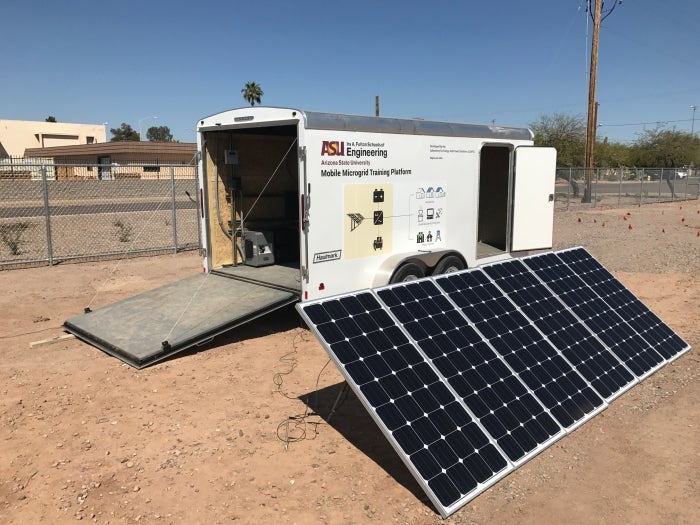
x=58 y=212
x=627 y=186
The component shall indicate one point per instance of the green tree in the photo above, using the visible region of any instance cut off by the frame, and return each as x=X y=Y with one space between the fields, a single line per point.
x=124 y=133
x=611 y=154
x=566 y=133
x=50 y=118
x=666 y=148
x=252 y=93
x=159 y=134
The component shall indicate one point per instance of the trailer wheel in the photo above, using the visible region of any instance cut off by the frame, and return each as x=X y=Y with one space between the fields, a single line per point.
x=449 y=264
x=407 y=272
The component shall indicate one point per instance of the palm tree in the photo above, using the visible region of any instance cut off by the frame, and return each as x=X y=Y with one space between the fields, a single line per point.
x=252 y=92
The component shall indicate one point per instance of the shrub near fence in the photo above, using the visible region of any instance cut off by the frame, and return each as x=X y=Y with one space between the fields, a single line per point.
x=45 y=221
x=627 y=186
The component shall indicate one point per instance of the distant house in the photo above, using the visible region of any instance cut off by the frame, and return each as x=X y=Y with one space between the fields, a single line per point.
x=117 y=160
x=16 y=136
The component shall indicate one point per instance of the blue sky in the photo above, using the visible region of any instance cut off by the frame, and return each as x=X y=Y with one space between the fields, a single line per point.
x=505 y=60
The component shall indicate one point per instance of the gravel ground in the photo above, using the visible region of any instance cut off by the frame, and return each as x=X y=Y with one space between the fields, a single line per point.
x=199 y=438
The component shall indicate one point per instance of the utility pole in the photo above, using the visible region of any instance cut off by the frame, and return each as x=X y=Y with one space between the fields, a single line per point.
x=692 y=138
x=376 y=105
x=592 y=124
x=598 y=16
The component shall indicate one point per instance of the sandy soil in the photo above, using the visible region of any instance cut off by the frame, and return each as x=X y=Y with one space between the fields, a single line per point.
x=207 y=437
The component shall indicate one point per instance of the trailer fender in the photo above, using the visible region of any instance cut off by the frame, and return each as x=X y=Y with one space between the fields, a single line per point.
x=428 y=261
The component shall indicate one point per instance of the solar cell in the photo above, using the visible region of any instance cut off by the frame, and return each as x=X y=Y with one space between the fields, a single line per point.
x=664 y=340
x=505 y=407
x=605 y=373
x=470 y=374
x=591 y=306
x=451 y=455
x=552 y=379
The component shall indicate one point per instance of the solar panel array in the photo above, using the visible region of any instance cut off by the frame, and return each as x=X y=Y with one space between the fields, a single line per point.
x=472 y=373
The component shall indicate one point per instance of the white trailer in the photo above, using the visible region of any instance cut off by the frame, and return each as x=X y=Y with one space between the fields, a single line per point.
x=299 y=205
x=353 y=202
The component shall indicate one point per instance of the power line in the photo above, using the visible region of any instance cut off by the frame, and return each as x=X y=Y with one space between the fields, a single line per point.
x=644 y=123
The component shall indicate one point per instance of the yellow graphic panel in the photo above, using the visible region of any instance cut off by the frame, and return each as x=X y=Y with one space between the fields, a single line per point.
x=368 y=210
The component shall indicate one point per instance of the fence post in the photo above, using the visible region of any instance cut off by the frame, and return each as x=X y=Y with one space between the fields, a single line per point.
x=174 y=206
x=619 y=187
x=47 y=214
x=595 y=195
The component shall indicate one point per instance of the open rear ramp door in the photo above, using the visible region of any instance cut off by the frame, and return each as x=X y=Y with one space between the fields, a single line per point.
x=154 y=325
x=533 y=198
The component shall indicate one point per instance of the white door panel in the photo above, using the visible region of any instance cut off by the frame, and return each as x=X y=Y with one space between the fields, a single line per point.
x=533 y=198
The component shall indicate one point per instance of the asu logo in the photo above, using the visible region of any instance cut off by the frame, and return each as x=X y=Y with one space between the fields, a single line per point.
x=333 y=148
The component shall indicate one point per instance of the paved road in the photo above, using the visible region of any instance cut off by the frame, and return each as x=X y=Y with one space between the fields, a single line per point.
x=89 y=209
x=650 y=187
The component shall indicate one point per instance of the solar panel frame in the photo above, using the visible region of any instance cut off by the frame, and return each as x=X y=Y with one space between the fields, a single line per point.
x=622 y=339
x=606 y=285
x=329 y=337
x=448 y=337
x=403 y=377
x=600 y=367
x=548 y=375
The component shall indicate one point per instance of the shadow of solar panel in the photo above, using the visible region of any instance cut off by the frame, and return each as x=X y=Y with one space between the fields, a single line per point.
x=664 y=340
x=605 y=373
x=597 y=314
x=447 y=451
x=552 y=379
x=503 y=405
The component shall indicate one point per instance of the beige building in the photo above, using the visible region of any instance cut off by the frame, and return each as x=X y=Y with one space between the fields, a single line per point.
x=116 y=160
x=16 y=136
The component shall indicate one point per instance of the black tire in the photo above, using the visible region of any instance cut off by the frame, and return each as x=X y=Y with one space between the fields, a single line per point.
x=449 y=264
x=407 y=272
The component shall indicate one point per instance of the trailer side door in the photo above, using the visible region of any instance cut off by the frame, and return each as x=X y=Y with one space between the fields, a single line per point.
x=533 y=198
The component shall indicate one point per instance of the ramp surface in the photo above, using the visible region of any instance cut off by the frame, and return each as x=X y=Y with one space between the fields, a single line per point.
x=151 y=326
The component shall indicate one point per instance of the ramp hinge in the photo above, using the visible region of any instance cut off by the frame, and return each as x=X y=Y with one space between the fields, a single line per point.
x=87 y=310
x=165 y=345
x=302 y=153
x=305 y=273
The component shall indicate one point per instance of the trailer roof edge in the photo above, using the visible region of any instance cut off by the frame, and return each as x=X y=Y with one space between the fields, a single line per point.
x=345 y=122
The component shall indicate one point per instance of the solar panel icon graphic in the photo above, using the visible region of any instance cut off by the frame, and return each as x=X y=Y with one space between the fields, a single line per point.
x=472 y=373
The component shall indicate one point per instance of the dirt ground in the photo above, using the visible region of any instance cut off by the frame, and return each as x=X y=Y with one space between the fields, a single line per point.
x=230 y=432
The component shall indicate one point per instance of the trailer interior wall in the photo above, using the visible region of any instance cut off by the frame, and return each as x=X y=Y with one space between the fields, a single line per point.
x=261 y=189
x=494 y=196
